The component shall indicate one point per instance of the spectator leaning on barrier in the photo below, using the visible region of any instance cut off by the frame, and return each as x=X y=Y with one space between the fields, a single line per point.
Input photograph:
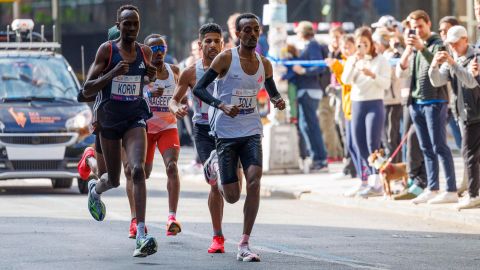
x=466 y=94
x=428 y=107
x=392 y=100
x=310 y=94
x=369 y=75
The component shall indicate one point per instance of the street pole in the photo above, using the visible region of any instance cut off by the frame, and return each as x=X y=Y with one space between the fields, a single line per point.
x=280 y=141
x=56 y=21
x=16 y=9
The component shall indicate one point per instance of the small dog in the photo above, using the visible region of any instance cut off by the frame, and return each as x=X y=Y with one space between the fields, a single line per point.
x=388 y=171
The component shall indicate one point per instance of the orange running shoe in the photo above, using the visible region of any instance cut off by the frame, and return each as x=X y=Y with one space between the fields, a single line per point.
x=173 y=226
x=133 y=229
x=218 y=245
x=82 y=166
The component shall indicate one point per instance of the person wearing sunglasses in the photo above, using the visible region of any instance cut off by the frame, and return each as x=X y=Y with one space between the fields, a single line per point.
x=162 y=130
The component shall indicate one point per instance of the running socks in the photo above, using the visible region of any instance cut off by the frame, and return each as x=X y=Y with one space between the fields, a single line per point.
x=140 y=230
x=94 y=193
x=244 y=240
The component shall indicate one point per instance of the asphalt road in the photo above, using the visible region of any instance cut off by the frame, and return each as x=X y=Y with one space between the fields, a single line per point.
x=42 y=228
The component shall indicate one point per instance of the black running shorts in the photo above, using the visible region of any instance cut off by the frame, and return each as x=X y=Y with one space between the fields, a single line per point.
x=204 y=142
x=247 y=149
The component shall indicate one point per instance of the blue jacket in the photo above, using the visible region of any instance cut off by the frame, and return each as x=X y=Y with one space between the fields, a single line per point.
x=311 y=79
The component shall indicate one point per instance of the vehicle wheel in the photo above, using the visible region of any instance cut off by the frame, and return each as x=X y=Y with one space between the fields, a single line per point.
x=62 y=182
x=83 y=185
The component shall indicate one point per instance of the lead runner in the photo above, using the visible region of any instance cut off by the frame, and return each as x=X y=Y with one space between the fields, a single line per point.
x=235 y=121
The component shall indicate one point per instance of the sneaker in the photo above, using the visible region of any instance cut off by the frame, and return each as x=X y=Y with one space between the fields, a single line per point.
x=468 y=203
x=173 y=227
x=444 y=197
x=210 y=168
x=82 y=166
x=404 y=195
x=356 y=189
x=95 y=206
x=246 y=255
x=218 y=245
x=320 y=168
x=132 y=233
x=146 y=245
x=425 y=197
x=370 y=192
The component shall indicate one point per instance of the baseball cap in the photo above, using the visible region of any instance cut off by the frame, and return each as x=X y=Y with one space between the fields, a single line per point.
x=387 y=21
x=305 y=27
x=455 y=33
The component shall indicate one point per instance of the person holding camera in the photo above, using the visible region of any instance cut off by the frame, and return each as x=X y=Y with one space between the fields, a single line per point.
x=369 y=75
x=466 y=95
x=428 y=106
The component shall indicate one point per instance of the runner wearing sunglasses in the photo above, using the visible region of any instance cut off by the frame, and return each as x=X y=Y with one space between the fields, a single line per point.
x=162 y=130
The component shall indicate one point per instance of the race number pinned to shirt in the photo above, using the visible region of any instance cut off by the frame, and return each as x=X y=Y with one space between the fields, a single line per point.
x=126 y=88
x=245 y=99
x=159 y=104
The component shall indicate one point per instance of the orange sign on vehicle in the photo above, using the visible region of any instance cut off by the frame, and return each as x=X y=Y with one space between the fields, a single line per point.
x=18 y=116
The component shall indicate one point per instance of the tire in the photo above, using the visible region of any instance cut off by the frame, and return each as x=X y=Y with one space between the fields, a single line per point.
x=82 y=186
x=62 y=182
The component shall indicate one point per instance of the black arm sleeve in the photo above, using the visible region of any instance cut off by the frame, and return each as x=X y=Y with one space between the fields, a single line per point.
x=82 y=98
x=200 y=89
x=271 y=88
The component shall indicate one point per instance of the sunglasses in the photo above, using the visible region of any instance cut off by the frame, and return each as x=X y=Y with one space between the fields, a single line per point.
x=159 y=48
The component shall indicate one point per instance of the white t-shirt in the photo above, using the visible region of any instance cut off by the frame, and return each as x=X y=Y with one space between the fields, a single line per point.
x=365 y=87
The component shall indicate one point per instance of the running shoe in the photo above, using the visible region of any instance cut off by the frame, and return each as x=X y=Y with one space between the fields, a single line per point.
x=82 y=166
x=133 y=229
x=218 y=245
x=173 y=227
x=146 y=245
x=246 y=255
x=95 y=206
x=210 y=168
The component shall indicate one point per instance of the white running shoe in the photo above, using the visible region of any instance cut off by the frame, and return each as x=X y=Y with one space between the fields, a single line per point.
x=246 y=255
x=210 y=168
x=352 y=192
x=426 y=196
x=444 y=197
x=468 y=203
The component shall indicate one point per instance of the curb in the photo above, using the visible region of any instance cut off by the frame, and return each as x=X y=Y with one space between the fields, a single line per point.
x=445 y=213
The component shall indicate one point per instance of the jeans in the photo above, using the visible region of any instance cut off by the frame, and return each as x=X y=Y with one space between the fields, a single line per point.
x=414 y=157
x=368 y=119
x=310 y=127
x=430 y=124
x=452 y=123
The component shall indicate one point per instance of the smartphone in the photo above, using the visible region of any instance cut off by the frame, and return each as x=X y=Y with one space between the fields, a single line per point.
x=361 y=48
x=412 y=32
x=442 y=48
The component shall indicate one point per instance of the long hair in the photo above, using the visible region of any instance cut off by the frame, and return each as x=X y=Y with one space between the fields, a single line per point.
x=367 y=33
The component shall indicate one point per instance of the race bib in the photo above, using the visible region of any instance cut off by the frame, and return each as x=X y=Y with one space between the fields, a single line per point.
x=160 y=104
x=126 y=88
x=246 y=99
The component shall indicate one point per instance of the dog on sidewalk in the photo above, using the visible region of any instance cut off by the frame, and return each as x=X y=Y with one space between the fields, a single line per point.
x=388 y=171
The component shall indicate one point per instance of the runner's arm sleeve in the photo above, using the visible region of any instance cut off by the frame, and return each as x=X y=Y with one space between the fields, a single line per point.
x=82 y=98
x=271 y=88
x=200 y=89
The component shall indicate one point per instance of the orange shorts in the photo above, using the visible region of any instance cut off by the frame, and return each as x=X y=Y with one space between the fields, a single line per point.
x=164 y=140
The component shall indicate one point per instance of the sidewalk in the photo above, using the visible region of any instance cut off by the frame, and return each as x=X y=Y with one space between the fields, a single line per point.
x=328 y=188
